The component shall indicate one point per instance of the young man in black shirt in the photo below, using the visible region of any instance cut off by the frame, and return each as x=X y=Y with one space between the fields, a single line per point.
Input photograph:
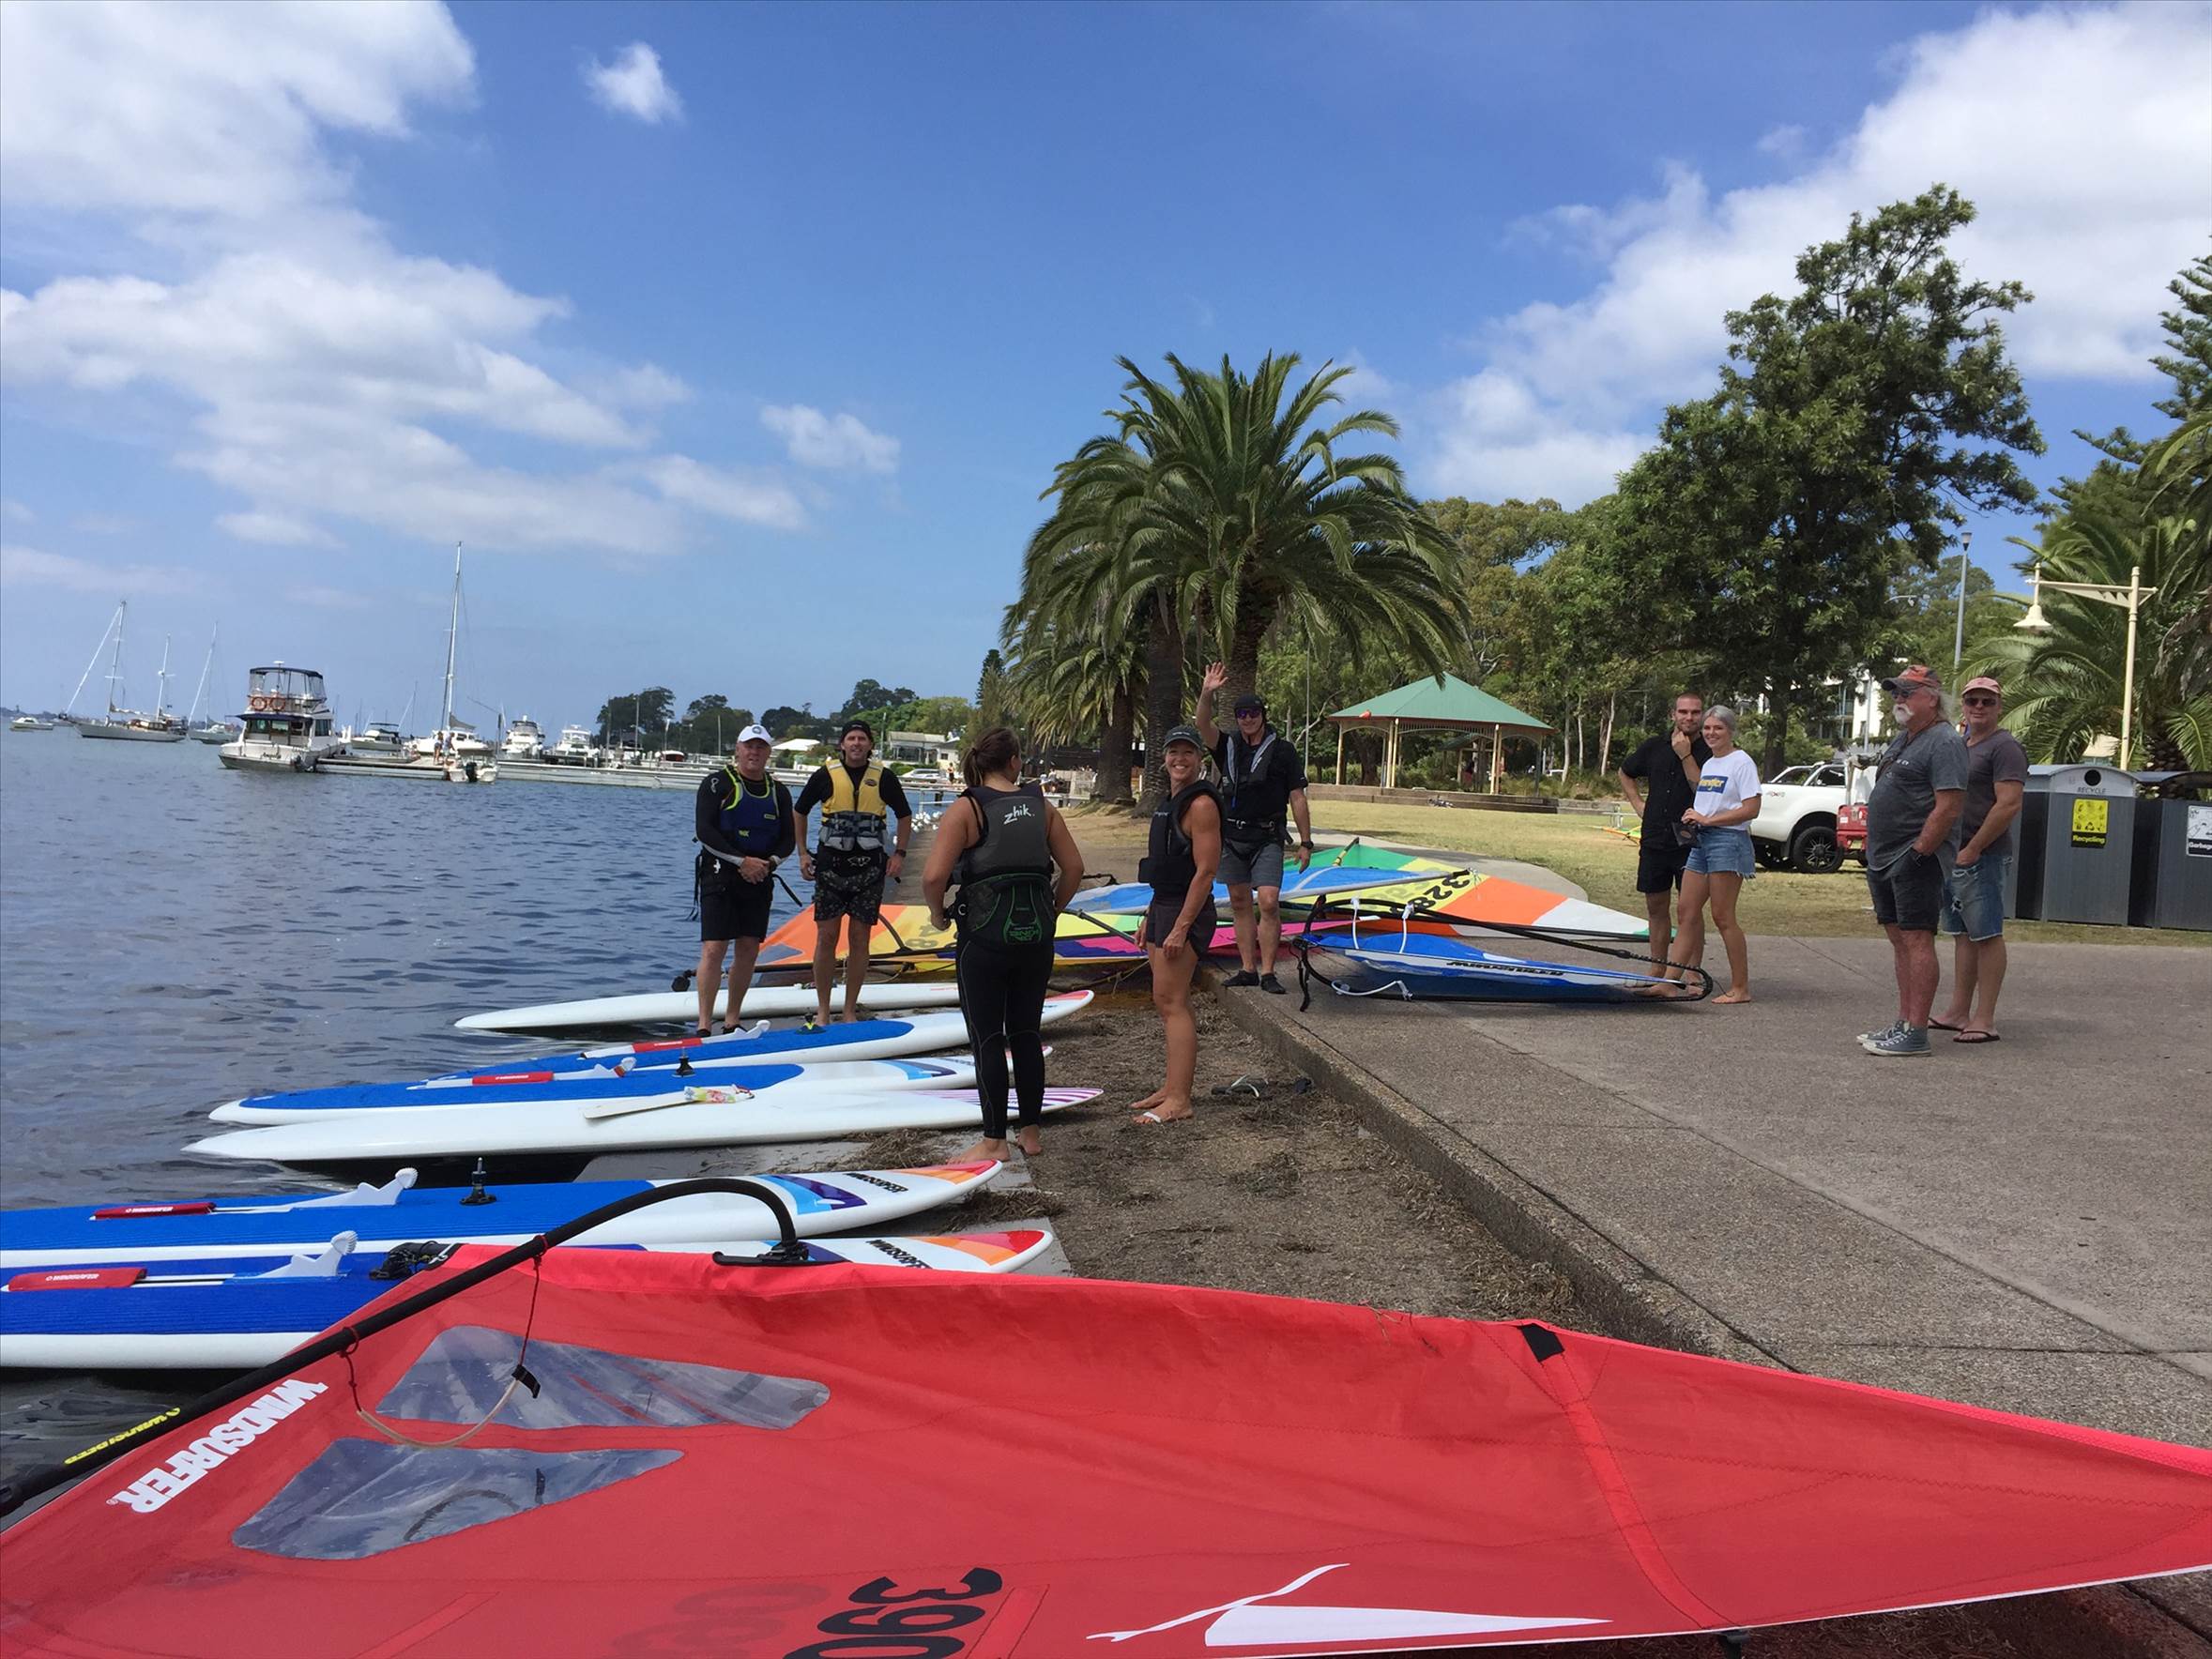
x=1667 y=767
x=1262 y=779
x=745 y=826
x=853 y=858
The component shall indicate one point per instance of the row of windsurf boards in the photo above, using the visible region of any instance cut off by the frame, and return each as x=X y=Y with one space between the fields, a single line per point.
x=240 y=1281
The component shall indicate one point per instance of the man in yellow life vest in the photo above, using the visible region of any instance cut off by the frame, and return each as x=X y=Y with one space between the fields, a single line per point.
x=851 y=857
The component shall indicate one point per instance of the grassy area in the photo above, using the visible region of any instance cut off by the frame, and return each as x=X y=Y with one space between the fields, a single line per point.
x=1582 y=849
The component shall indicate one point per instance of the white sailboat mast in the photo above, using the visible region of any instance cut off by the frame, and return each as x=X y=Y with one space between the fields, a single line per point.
x=452 y=632
x=162 y=694
x=201 y=690
x=116 y=666
x=71 y=706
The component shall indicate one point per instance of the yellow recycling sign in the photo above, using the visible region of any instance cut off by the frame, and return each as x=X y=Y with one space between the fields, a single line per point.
x=2092 y=818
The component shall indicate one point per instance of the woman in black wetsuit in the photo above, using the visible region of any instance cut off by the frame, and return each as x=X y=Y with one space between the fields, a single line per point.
x=1000 y=843
x=1180 y=922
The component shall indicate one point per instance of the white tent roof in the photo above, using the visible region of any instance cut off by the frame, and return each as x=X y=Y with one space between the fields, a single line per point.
x=791 y=745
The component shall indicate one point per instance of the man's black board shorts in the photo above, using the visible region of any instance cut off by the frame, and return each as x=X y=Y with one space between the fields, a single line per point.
x=850 y=887
x=1660 y=864
x=1908 y=891
x=737 y=910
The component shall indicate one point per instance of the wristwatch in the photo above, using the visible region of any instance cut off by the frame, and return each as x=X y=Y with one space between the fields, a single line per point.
x=1305 y=846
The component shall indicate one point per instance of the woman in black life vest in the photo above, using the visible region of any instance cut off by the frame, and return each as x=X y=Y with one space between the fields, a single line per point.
x=1001 y=843
x=1179 y=926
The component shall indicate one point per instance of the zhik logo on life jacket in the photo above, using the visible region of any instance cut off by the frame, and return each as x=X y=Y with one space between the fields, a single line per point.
x=157 y=1487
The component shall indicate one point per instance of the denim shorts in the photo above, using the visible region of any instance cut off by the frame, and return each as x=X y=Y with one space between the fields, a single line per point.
x=1722 y=852
x=1974 y=897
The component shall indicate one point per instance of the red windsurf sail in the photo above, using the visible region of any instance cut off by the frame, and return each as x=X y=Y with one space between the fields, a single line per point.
x=845 y=1463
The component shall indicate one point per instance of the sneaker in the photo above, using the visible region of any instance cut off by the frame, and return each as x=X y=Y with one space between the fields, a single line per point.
x=1868 y=1039
x=1268 y=983
x=1243 y=976
x=1900 y=1044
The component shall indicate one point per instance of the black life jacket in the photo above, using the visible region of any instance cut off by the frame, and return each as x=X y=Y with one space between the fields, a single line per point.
x=1253 y=804
x=1170 y=865
x=752 y=822
x=1006 y=875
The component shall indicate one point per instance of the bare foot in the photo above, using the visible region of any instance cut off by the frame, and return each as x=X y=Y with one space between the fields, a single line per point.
x=1152 y=1098
x=1165 y=1112
x=1030 y=1142
x=1733 y=996
x=985 y=1150
x=1659 y=988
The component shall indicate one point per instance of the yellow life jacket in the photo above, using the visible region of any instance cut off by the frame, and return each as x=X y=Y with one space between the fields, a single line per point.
x=853 y=820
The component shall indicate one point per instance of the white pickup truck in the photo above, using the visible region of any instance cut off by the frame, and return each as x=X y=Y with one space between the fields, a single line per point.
x=1795 y=828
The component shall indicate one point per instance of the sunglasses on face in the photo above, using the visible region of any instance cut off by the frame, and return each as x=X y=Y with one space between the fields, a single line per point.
x=1981 y=702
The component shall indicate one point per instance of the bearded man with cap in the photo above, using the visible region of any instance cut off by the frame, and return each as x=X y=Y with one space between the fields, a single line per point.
x=1262 y=779
x=1974 y=897
x=746 y=826
x=1912 y=840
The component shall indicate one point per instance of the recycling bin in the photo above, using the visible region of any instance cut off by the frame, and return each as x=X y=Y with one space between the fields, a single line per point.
x=2088 y=844
x=2173 y=874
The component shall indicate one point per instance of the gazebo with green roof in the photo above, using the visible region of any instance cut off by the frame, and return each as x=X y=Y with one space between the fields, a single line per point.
x=1445 y=701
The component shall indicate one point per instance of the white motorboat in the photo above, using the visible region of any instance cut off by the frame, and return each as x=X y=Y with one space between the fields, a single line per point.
x=525 y=740
x=29 y=722
x=287 y=722
x=127 y=725
x=379 y=736
x=576 y=747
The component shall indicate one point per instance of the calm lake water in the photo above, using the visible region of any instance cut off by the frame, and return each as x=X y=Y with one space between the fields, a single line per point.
x=173 y=936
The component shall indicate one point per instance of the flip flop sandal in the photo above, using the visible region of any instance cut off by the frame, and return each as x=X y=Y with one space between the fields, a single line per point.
x=1971 y=1036
x=1936 y=1024
x=1154 y=1117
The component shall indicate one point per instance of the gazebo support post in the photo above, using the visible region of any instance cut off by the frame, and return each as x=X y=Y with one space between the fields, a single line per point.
x=1340 y=754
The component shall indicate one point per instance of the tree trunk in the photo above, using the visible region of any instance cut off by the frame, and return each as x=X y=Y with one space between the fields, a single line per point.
x=1254 y=618
x=1116 y=739
x=1163 y=698
x=1777 y=732
x=1604 y=737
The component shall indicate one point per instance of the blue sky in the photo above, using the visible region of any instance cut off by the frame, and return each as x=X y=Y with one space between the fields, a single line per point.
x=737 y=343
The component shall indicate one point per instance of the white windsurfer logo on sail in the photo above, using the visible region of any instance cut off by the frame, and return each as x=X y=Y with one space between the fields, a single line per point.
x=157 y=1487
x=1248 y=1623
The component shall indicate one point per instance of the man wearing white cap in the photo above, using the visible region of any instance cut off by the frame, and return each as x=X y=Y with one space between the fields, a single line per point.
x=745 y=827
x=1974 y=894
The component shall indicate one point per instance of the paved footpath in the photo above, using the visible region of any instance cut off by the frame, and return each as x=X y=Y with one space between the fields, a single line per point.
x=2025 y=1225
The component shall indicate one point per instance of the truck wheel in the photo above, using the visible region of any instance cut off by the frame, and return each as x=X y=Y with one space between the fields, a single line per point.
x=1813 y=851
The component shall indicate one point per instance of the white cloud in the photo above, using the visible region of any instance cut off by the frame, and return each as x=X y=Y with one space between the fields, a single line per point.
x=196 y=109
x=15 y=512
x=633 y=84
x=837 y=441
x=1787 y=141
x=309 y=364
x=2081 y=136
x=726 y=494
x=276 y=529
x=29 y=566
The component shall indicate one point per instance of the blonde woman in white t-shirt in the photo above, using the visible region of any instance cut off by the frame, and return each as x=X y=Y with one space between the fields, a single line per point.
x=1720 y=859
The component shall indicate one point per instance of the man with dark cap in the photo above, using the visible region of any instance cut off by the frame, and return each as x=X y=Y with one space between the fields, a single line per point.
x=852 y=858
x=1912 y=838
x=1974 y=902
x=1262 y=779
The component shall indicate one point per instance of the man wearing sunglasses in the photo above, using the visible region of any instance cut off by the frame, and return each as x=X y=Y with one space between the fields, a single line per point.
x=1973 y=896
x=1912 y=836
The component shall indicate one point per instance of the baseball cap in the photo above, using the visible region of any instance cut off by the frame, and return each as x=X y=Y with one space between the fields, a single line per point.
x=1983 y=682
x=855 y=725
x=1920 y=677
x=756 y=733
x=1251 y=703
x=1184 y=734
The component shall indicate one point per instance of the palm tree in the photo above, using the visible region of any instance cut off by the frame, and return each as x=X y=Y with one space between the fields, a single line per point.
x=1243 y=494
x=1071 y=678
x=2064 y=687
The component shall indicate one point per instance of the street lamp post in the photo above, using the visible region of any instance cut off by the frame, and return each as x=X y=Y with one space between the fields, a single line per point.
x=1958 y=631
x=2128 y=599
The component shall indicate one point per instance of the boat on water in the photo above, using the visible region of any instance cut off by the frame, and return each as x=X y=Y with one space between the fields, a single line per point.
x=287 y=723
x=450 y=755
x=29 y=722
x=575 y=748
x=379 y=736
x=212 y=731
x=525 y=740
x=128 y=724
